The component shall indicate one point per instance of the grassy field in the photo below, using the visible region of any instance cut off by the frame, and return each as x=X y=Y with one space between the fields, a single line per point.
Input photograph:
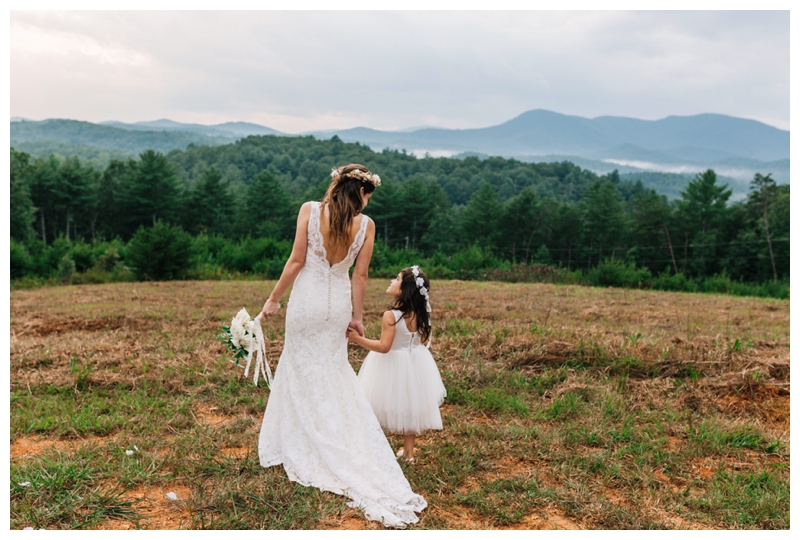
x=567 y=407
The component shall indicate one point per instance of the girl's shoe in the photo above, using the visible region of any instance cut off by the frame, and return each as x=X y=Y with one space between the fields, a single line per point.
x=400 y=454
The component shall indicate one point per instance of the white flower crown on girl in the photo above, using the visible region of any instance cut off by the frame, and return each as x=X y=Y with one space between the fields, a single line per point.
x=421 y=286
x=358 y=174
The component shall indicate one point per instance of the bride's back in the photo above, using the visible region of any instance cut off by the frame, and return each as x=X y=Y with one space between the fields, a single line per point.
x=337 y=252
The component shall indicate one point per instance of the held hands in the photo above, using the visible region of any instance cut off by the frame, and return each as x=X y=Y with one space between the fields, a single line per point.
x=353 y=336
x=355 y=330
x=356 y=325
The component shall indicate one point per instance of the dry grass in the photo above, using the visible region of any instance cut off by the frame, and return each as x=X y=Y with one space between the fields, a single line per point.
x=567 y=407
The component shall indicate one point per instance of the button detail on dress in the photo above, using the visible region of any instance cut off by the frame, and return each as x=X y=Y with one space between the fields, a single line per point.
x=328 y=313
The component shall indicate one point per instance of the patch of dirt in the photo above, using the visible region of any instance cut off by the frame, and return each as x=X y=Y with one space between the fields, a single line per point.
x=673 y=484
x=460 y=517
x=768 y=403
x=44 y=326
x=207 y=416
x=158 y=511
x=350 y=520
x=614 y=497
x=30 y=447
x=674 y=521
x=237 y=452
x=550 y=520
x=705 y=468
x=509 y=467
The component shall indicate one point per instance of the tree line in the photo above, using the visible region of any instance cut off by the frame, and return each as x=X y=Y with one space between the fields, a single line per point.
x=514 y=213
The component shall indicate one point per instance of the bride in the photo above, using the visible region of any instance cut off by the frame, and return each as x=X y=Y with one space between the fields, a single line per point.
x=318 y=422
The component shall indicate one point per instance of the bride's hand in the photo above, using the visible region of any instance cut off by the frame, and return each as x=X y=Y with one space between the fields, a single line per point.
x=352 y=334
x=270 y=308
x=356 y=325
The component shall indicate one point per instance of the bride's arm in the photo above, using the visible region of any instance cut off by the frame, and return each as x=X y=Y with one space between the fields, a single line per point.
x=293 y=266
x=360 y=278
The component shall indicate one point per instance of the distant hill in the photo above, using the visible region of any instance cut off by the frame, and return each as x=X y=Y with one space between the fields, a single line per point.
x=539 y=132
x=74 y=132
x=233 y=130
x=734 y=147
x=673 y=144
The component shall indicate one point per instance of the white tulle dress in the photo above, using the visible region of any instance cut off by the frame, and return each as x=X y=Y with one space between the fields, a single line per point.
x=318 y=422
x=404 y=385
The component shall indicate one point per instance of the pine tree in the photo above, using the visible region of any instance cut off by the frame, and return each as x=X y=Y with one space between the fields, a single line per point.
x=43 y=194
x=74 y=191
x=481 y=218
x=522 y=221
x=649 y=213
x=702 y=204
x=385 y=209
x=604 y=220
x=109 y=198
x=702 y=214
x=22 y=209
x=568 y=233
x=151 y=194
x=269 y=213
x=211 y=207
x=418 y=204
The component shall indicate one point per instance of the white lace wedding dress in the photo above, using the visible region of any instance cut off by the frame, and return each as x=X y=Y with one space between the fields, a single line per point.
x=318 y=422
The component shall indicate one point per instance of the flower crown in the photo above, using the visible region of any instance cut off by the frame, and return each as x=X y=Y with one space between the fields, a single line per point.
x=421 y=286
x=358 y=174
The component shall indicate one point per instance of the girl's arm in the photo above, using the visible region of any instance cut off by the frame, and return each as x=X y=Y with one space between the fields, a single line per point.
x=360 y=277
x=293 y=265
x=387 y=336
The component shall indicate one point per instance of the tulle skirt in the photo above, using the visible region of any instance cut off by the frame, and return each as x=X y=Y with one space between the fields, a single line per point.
x=404 y=388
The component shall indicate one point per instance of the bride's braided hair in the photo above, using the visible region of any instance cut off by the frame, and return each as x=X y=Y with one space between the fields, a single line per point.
x=411 y=300
x=344 y=200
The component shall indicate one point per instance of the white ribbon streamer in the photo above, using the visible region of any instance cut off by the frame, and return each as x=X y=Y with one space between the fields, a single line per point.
x=261 y=365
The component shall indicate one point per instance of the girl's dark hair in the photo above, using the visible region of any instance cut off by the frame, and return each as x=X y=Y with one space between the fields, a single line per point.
x=412 y=301
x=344 y=203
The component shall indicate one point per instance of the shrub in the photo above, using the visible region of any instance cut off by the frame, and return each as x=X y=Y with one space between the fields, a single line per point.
x=248 y=253
x=530 y=273
x=206 y=249
x=108 y=259
x=65 y=270
x=21 y=262
x=50 y=258
x=718 y=283
x=469 y=262
x=616 y=273
x=666 y=281
x=83 y=255
x=160 y=252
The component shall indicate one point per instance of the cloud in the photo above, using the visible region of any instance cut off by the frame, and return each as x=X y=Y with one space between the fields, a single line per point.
x=297 y=71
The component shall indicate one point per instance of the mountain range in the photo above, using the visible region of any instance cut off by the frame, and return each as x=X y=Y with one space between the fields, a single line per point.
x=733 y=146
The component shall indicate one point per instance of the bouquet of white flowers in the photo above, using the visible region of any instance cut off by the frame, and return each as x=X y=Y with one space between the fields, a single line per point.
x=244 y=337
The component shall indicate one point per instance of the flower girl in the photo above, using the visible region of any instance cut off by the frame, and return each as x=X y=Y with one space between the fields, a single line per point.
x=400 y=376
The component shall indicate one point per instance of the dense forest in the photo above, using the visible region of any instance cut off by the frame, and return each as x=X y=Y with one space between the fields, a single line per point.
x=231 y=208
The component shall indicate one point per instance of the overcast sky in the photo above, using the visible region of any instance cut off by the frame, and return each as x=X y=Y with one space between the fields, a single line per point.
x=299 y=71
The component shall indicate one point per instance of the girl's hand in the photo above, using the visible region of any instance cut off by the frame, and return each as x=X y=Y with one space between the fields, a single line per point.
x=270 y=308
x=353 y=335
x=356 y=325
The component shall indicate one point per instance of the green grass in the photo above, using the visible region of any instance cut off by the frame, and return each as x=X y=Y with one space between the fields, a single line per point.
x=600 y=434
x=65 y=492
x=751 y=500
x=505 y=501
